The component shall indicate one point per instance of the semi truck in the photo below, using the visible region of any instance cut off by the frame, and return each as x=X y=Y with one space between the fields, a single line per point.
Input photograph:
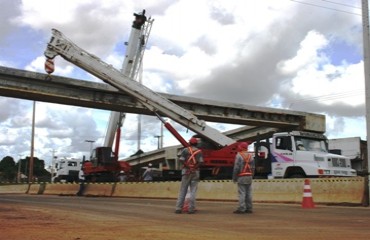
x=219 y=150
x=66 y=170
x=299 y=154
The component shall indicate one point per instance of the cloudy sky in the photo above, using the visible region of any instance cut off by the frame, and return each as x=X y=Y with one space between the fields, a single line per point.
x=304 y=55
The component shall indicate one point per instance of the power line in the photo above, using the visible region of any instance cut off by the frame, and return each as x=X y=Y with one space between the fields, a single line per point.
x=341 y=4
x=320 y=6
x=329 y=97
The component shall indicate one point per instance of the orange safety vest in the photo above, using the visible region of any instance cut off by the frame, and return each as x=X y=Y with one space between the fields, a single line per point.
x=246 y=171
x=191 y=163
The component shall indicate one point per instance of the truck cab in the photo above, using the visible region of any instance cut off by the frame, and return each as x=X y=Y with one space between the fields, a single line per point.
x=104 y=166
x=66 y=170
x=300 y=154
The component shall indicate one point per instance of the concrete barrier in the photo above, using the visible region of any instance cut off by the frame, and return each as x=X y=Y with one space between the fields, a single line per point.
x=99 y=189
x=13 y=188
x=35 y=188
x=147 y=189
x=63 y=189
x=278 y=190
x=338 y=190
x=326 y=191
x=216 y=190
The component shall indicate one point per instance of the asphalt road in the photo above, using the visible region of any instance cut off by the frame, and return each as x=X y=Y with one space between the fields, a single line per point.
x=61 y=217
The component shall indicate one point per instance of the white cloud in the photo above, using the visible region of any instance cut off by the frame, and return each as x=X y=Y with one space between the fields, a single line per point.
x=264 y=53
x=38 y=65
x=308 y=55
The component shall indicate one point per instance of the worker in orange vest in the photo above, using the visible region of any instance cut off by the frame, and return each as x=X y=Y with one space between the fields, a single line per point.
x=192 y=158
x=243 y=176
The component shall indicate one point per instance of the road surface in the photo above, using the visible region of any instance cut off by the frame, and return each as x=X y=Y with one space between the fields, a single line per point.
x=42 y=217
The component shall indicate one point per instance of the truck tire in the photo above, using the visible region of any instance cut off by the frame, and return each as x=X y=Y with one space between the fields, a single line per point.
x=294 y=172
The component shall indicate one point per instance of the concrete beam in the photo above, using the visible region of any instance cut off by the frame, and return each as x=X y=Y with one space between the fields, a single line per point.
x=55 y=89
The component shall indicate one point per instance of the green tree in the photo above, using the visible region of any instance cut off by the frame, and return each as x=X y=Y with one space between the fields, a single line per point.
x=8 y=169
x=39 y=170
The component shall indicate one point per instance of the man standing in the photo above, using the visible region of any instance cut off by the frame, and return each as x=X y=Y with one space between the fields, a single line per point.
x=191 y=158
x=242 y=175
x=81 y=180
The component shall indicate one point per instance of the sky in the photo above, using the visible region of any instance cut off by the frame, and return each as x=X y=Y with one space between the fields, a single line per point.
x=300 y=55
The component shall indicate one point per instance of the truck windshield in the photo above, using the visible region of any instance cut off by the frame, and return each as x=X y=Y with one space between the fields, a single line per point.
x=310 y=144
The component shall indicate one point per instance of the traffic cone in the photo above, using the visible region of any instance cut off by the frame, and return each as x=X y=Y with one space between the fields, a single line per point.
x=307 y=201
x=185 y=208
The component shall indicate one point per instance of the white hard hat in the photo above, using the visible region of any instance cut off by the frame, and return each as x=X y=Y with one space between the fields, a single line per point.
x=122 y=172
x=149 y=164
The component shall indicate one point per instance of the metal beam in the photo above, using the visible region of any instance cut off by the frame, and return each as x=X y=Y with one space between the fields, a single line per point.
x=55 y=89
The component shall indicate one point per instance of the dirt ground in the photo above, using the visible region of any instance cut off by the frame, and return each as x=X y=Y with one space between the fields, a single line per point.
x=74 y=218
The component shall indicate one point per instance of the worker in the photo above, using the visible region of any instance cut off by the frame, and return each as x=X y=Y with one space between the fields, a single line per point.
x=81 y=180
x=191 y=158
x=122 y=177
x=300 y=146
x=148 y=174
x=242 y=175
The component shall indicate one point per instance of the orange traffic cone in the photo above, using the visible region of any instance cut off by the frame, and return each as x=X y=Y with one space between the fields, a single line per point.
x=185 y=208
x=307 y=201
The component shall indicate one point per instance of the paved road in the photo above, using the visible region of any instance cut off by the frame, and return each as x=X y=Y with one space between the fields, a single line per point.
x=129 y=218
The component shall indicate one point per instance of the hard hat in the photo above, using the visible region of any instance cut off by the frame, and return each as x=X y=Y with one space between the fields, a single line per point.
x=243 y=146
x=122 y=172
x=193 y=141
x=149 y=164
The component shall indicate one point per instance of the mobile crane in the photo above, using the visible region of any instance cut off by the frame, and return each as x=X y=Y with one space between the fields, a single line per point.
x=104 y=165
x=219 y=151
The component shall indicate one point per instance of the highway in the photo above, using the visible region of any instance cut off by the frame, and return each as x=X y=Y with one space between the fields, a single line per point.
x=68 y=217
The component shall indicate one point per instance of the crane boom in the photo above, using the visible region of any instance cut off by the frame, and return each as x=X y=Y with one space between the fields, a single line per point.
x=60 y=45
x=139 y=35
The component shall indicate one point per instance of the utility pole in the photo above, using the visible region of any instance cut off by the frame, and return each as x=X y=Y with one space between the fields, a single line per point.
x=19 y=169
x=366 y=43
x=52 y=165
x=30 y=173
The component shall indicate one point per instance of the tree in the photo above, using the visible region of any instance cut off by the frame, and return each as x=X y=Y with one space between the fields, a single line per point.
x=39 y=170
x=8 y=169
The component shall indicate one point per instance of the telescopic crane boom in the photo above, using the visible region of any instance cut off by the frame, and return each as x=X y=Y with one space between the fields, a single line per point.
x=131 y=65
x=60 y=45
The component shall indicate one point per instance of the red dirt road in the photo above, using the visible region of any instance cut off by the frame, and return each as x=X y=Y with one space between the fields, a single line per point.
x=85 y=218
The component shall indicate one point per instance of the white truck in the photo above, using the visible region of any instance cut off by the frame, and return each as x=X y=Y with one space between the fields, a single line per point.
x=66 y=170
x=282 y=158
x=299 y=154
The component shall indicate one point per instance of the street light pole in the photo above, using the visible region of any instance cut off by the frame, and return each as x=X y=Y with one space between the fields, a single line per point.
x=158 y=140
